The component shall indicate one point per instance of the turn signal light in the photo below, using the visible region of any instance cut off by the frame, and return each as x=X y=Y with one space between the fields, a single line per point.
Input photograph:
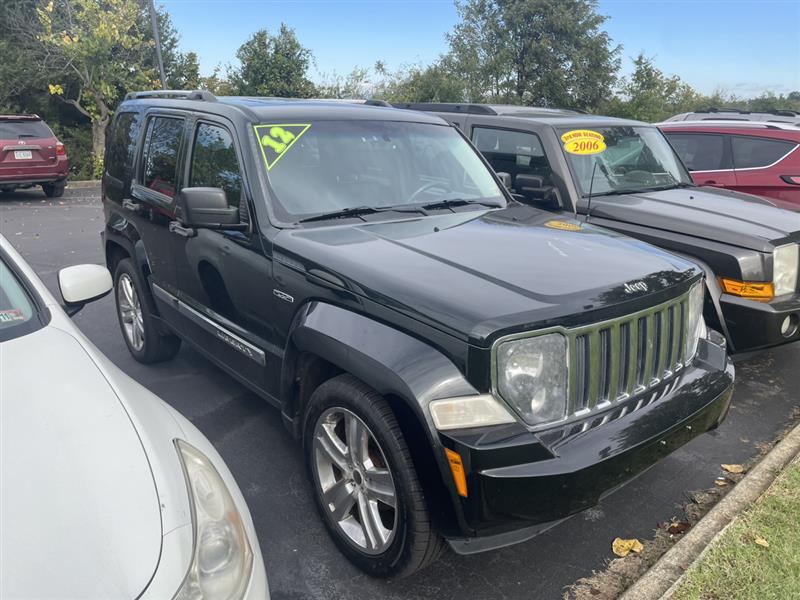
x=457 y=469
x=747 y=289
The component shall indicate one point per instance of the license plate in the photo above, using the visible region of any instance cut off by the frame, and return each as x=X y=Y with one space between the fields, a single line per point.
x=23 y=154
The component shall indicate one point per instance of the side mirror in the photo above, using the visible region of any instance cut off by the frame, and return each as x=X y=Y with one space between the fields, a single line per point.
x=82 y=284
x=533 y=189
x=207 y=207
x=505 y=179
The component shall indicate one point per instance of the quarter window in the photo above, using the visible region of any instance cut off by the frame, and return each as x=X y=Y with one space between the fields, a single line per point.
x=754 y=152
x=164 y=136
x=701 y=151
x=513 y=152
x=214 y=162
x=122 y=144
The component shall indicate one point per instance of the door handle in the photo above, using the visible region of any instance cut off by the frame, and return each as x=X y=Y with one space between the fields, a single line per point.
x=178 y=229
x=131 y=205
x=713 y=183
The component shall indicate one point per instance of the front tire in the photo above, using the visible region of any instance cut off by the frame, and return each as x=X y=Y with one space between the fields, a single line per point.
x=365 y=485
x=139 y=330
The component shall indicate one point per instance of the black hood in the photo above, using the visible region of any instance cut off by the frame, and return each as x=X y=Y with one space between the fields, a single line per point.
x=717 y=215
x=478 y=273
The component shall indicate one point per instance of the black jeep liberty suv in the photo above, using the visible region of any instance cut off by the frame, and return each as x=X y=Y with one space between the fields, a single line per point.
x=458 y=366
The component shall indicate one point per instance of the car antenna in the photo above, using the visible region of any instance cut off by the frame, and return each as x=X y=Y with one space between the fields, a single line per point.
x=589 y=202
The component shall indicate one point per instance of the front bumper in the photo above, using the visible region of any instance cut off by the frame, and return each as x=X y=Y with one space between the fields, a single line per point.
x=521 y=483
x=753 y=325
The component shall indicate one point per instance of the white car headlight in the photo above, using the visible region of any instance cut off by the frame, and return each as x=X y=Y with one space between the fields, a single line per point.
x=695 y=324
x=222 y=558
x=785 y=263
x=532 y=377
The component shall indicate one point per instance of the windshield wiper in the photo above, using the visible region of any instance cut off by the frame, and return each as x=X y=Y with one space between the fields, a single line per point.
x=357 y=211
x=460 y=202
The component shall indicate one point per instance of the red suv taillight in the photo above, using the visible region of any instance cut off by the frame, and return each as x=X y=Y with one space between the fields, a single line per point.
x=60 y=150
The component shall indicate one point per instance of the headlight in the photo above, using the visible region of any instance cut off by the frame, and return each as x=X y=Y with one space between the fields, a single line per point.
x=222 y=559
x=532 y=377
x=785 y=261
x=695 y=324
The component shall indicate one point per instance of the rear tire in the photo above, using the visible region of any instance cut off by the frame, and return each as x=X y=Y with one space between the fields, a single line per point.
x=53 y=190
x=357 y=483
x=139 y=329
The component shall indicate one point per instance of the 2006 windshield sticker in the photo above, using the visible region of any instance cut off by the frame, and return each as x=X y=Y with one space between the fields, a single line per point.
x=583 y=141
x=276 y=140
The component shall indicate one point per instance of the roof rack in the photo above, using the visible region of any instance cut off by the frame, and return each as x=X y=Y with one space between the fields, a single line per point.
x=782 y=112
x=203 y=95
x=733 y=123
x=31 y=117
x=714 y=109
x=473 y=109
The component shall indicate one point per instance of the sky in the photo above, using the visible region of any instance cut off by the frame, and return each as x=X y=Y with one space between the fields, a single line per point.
x=742 y=47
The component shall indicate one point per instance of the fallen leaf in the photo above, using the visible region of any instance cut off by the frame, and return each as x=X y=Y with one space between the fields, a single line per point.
x=678 y=527
x=720 y=482
x=736 y=469
x=624 y=547
x=761 y=542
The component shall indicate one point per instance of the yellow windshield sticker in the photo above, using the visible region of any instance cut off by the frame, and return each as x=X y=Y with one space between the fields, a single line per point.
x=563 y=225
x=275 y=140
x=583 y=141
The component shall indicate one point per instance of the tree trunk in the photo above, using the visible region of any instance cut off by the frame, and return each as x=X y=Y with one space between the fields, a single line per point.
x=98 y=146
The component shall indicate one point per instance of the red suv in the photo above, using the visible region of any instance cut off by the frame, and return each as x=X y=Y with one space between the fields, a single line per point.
x=756 y=157
x=31 y=155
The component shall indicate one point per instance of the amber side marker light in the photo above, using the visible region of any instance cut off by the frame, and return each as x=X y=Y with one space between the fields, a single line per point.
x=747 y=289
x=457 y=469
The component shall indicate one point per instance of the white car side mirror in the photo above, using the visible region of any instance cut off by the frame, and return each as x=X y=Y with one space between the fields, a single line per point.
x=81 y=284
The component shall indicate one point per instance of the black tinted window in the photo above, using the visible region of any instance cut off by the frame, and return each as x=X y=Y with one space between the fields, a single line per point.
x=752 y=152
x=164 y=140
x=214 y=162
x=513 y=152
x=700 y=151
x=13 y=130
x=122 y=144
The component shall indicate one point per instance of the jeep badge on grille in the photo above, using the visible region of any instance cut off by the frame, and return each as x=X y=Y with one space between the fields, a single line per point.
x=636 y=286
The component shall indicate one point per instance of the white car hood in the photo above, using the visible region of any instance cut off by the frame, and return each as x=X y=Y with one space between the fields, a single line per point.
x=79 y=512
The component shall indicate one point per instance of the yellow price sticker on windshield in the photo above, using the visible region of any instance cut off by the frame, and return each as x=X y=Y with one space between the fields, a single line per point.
x=583 y=141
x=563 y=225
x=276 y=140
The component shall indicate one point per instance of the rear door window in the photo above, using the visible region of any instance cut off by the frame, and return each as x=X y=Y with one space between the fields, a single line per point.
x=755 y=152
x=18 y=312
x=513 y=152
x=164 y=136
x=122 y=145
x=701 y=151
x=214 y=162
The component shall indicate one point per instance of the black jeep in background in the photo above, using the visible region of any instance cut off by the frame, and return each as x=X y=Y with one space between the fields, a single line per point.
x=636 y=184
x=457 y=366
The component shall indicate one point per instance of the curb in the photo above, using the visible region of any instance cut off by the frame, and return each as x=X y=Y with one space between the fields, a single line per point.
x=661 y=580
x=83 y=184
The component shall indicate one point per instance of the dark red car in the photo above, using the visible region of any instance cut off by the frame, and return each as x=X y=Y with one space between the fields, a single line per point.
x=755 y=157
x=31 y=155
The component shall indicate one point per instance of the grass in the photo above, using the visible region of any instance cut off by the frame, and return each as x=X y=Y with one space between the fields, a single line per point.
x=735 y=567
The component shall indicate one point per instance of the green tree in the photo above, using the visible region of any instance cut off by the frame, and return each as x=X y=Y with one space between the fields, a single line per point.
x=649 y=95
x=274 y=65
x=186 y=75
x=543 y=52
x=434 y=83
x=95 y=52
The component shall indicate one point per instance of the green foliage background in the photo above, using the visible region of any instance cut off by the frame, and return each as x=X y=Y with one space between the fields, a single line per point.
x=552 y=53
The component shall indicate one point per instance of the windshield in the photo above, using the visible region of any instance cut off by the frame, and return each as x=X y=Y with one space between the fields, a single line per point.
x=634 y=159
x=16 y=309
x=327 y=166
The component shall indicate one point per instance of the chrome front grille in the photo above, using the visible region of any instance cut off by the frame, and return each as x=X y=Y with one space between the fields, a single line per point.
x=614 y=360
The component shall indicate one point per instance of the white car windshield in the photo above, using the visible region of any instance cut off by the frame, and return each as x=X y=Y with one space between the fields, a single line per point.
x=16 y=308
x=634 y=159
x=323 y=167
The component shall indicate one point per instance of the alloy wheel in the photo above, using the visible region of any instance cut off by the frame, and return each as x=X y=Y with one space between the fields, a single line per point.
x=130 y=312
x=354 y=480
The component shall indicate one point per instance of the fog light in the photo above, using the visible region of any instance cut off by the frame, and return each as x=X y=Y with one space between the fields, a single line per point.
x=789 y=326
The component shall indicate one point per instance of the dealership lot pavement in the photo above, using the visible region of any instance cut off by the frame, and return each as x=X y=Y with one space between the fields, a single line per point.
x=301 y=561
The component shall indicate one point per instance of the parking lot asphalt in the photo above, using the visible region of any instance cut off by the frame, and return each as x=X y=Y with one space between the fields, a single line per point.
x=301 y=560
